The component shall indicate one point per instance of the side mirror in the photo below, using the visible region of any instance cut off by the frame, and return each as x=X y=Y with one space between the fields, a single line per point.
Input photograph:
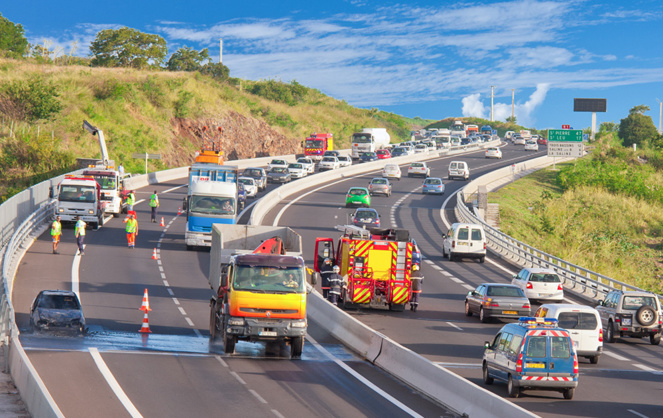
x=486 y=344
x=314 y=278
x=185 y=204
x=470 y=293
x=601 y=303
x=224 y=279
x=51 y=194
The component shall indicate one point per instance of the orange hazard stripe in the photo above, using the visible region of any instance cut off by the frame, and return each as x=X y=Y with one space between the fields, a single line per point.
x=400 y=295
x=361 y=296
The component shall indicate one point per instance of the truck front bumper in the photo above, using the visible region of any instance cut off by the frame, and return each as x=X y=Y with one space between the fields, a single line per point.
x=197 y=239
x=266 y=329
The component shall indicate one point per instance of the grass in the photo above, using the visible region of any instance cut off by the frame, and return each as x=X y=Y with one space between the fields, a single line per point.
x=616 y=235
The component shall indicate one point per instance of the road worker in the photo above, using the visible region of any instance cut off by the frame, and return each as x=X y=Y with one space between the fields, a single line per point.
x=416 y=279
x=154 y=204
x=56 y=232
x=131 y=230
x=335 y=284
x=325 y=270
x=79 y=232
x=131 y=200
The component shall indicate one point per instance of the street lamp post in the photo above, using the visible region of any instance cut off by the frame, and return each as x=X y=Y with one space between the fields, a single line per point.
x=660 y=113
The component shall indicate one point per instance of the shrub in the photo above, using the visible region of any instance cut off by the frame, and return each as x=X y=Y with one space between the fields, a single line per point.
x=31 y=100
x=182 y=104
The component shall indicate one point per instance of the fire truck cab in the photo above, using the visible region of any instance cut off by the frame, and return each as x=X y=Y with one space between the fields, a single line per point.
x=375 y=264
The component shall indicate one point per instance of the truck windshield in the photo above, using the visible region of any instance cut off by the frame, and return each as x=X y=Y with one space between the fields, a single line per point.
x=213 y=205
x=71 y=193
x=313 y=143
x=269 y=279
x=106 y=182
x=361 y=139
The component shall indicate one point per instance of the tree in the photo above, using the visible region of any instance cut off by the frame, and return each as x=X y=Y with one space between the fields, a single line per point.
x=608 y=127
x=637 y=128
x=216 y=70
x=511 y=119
x=187 y=59
x=127 y=47
x=12 y=38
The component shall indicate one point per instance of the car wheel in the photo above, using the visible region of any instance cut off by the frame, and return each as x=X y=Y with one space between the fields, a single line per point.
x=568 y=393
x=482 y=259
x=486 y=375
x=646 y=315
x=655 y=339
x=610 y=333
x=594 y=359
x=482 y=316
x=512 y=389
x=468 y=312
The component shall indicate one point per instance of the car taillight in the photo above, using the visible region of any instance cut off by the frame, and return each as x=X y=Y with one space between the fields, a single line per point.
x=377 y=222
x=559 y=287
x=575 y=363
x=453 y=244
x=527 y=306
x=529 y=285
x=600 y=335
x=519 y=363
x=484 y=245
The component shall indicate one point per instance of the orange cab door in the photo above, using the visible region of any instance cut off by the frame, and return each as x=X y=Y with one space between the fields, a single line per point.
x=324 y=248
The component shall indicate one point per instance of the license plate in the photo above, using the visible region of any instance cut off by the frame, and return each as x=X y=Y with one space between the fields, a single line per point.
x=267 y=333
x=461 y=243
x=510 y=312
x=544 y=295
x=626 y=321
x=535 y=365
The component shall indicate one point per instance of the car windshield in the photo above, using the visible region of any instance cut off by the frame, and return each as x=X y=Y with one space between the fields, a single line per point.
x=435 y=182
x=212 y=205
x=269 y=279
x=58 y=302
x=106 y=182
x=313 y=143
x=369 y=154
x=295 y=166
x=246 y=181
x=251 y=173
x=364 y=214
x=278 y=162
x=71 y=193
x=379 y=181
x=545 y=278
x=304 y=161
x=507 y=291
x=416 y=165
x=329 y=159
x=577 y=320
x=357 y=192
x=635 y=302
x=362 y=139
x=279 y=170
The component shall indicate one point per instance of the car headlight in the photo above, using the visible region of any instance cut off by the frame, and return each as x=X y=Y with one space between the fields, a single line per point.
x=236 y=321
x=91 y=212
x=298 y=324
x=61 y=210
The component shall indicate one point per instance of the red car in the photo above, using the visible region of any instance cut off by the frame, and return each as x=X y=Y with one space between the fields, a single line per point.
x=383 y=154
x=542 y=141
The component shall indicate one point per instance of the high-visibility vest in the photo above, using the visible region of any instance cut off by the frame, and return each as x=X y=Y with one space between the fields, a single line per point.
x=132 y=224
x=80 y=228
x=131 y=199
x=154 y=201
x=56 y=228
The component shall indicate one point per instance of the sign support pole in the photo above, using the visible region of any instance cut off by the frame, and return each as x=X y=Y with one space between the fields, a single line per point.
x=593 y=125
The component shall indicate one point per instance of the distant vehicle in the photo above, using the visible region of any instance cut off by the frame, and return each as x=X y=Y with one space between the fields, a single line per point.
x=308 y=164
x=57 y=310
x=455 y=141
x=542 y=141
x=329 y=163
x=464 y=241
x=250 y=186
x=383 y=154
x=583 y=324
x=345 y=160
x=277 y=163
x=433 y=185
x=540 y=284
x=367 y=157
x=508 y=135
x=258 y=174
x=297 y=170
x=392 y=171
x=366 y=217
x=518 y=140
x=631 y=313
x=317 y=144
x=409 y=149
x=531 y=145
x=497 y=300
x=379 y=185
x=398 y=151
x=358 y=196
x=493 y=152
x=369 y=140
x=458 y=169
x=279 y=175
x=331 y=154
x=420 y=149
x=418 y=169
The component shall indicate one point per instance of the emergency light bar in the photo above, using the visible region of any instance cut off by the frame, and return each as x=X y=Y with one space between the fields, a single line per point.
x=538 y=321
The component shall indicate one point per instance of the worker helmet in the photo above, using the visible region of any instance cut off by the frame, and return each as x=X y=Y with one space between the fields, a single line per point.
x=327 y=261
x=415 y=267
x=336 y=269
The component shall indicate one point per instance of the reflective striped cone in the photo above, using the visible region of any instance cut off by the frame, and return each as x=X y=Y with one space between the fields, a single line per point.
x=146 y=324
x=146 y=303
x=154 y=254
x=179 y=211
x=162 y=222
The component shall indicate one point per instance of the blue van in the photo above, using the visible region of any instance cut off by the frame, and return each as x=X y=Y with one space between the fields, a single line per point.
x=533 y=353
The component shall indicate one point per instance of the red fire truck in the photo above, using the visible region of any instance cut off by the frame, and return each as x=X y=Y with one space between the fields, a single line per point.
x=376 y=265
x=316 y=145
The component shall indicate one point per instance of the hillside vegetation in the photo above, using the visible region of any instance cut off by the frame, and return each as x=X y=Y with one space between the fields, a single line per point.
x=43 y=105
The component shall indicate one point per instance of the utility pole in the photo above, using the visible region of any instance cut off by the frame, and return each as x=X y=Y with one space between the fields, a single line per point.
x=513 y=103
x=660 y=113
x=220 y=50
x=492 y=96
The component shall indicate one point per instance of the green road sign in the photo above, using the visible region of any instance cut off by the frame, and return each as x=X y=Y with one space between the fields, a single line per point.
x=565 y=135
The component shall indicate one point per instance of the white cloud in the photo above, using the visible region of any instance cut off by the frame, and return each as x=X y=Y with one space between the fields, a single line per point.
x=472 y=106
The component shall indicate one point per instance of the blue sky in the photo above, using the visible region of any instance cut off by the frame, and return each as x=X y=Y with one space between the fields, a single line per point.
x=432 y=59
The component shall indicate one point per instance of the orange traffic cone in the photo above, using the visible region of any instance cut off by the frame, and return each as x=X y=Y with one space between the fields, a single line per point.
x=179 y=211
x=162 y=222
x=146 y=324
x=146 y=303
x=154 y=254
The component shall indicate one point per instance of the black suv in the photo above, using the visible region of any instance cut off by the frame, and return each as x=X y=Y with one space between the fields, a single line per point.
x=631 y=313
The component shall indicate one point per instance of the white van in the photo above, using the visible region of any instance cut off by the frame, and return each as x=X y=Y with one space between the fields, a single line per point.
x=582 y=322
x=465 y=241
x=459 y=169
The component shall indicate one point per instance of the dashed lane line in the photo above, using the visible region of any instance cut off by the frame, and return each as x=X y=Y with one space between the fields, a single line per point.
x=112 y=382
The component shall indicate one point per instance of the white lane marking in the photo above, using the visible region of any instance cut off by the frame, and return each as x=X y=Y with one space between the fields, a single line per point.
x=139 y=201
x=75 y=279
x=174 y=188
x=188 y=321
x=637 y=413
x=645 y=368
x=165 y=282
x=170 y=291
x=446 y=273
x=362 y=379
x=115 y=387
x=456 y=279
x=615 y=356
x=455 y=326
x=468 y=287
x=277 y=413
x=176 y=301
x=258 y=397
x=438 y=268
x=239 y=379
x=182 y=311
x=430 y=262
x=223 y=363
x=163 y=276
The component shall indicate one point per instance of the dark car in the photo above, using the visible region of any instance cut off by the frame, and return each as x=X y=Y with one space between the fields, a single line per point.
x=368 y=218
x=57 y=310
x=241 y=196
x=331 y=154
x=279 y=175
x=368 y=157
x=398 y=151
x=258 y=174
x=497 y=300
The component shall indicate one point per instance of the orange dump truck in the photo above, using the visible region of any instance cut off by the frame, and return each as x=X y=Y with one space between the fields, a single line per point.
x=375 y=264
x=259 y=280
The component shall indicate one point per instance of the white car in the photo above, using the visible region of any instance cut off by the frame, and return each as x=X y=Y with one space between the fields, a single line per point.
x=250 y=186
x=409 y=149
x=518 y=140
x=277 y=163
x=458 y=169
x=540 y=284
x=308 y=164
x=345 y=160
x=420 y=148
x=329 y=163
x=455 y=141
x=297 y=170
x=418 y=169
x=392 y=171
x=493 y=152
x=531 y=145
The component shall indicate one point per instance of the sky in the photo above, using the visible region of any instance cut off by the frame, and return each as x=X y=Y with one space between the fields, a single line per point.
x=431 y=59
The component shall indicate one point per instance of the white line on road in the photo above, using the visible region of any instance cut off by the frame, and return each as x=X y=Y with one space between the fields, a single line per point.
x=258 y=397
x=110 y=379
x=455 y=326
x=615 y=356
x=456 y=279
x=362 y=379
x=75 y=279
x=637 y=413
x=188 y=321
x=174 y=188
x=468 y=287
x=645 y=368
x=239 y=379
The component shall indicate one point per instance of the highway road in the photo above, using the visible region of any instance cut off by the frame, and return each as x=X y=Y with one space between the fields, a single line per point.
x=175 y=371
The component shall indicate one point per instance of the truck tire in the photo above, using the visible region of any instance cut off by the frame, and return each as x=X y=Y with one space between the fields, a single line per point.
x=568 y=393
x=296 y=347
x=228 y=341
x=213 y=323
x=116 y=215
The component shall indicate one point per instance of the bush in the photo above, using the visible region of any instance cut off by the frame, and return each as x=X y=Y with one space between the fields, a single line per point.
x=113 y=89
x=30 y=100
x=182 y=104
x=290 y=94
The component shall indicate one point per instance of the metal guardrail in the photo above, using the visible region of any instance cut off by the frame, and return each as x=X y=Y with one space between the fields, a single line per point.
x=578 y=279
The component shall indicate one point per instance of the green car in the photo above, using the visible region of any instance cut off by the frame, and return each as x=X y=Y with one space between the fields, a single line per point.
x=358 y=196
